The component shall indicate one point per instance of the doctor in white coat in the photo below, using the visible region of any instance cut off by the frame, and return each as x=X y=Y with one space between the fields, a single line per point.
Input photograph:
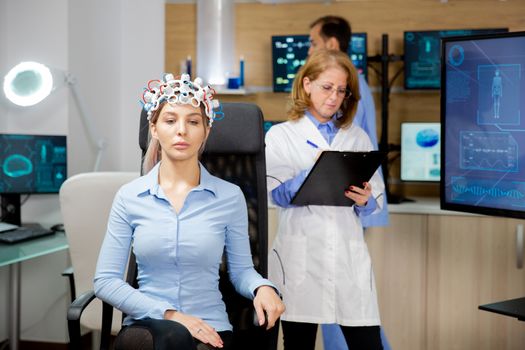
x=319 y=259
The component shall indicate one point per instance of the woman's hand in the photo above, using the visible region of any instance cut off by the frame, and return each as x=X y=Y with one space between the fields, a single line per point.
x=197 y=327
x=359 y=195
x=266 y=299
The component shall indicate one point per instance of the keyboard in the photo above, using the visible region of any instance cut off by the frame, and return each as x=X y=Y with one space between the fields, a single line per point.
x=24 y=233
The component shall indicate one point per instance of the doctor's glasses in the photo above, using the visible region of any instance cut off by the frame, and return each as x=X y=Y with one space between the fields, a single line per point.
x=328 y=89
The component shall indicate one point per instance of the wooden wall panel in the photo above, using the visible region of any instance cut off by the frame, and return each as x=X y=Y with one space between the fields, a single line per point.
x=256 y=23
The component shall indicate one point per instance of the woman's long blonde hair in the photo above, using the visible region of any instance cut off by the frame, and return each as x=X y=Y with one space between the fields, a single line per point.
x=154 y=152
x=316 y=64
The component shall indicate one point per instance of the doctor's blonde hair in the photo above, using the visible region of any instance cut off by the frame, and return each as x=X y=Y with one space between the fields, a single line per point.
x=316 y=64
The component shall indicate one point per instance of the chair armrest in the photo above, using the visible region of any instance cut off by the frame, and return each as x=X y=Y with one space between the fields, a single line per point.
x=74 y=312
x=70 y=275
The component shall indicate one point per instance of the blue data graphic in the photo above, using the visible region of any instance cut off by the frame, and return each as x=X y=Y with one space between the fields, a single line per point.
x=483 y=129
x=32 y=163
x=485 y=192
x=489 y=151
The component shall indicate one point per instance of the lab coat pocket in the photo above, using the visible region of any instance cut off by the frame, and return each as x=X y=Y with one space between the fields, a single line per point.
x=288 y=262
x=361 y=266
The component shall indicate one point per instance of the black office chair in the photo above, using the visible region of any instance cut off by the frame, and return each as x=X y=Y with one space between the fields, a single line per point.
x=234 y=152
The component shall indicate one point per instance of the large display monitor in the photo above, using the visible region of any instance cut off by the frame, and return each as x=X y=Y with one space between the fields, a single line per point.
x=289 y=52
x=420 y=151
x=422 y=55
x=483 y=132
x=29 y=164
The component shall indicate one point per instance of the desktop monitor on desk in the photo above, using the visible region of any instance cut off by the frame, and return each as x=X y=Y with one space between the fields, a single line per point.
x=29 y=164
x=483 y=127
x=422 y=55
x=420 y=152
x=289 y=53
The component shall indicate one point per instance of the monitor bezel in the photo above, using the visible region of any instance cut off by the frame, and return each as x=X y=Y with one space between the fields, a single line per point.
x=436 y=182
x=445 y=205
x=38 y=135
x=365 y=35
x=365 y=70
x=273 y=37
x=405 y=66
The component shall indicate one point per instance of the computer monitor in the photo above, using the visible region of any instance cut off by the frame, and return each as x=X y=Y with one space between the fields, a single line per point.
x=289 y=53
x=358 y=51
x=483 y=129
x=420 y=151
x=422 y=55
x=29 y=164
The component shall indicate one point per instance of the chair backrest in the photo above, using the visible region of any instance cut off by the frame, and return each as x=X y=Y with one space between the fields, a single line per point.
x=85 y=202
x=235 y=152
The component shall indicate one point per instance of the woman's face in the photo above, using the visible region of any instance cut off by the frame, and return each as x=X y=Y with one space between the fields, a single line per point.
x=327 y=93
x=181 y=131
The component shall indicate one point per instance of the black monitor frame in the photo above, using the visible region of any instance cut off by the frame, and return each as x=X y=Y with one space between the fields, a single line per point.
x=275 y=66
x=443 y=33
x=447 y=205
x=10 y=202
x=305 y=37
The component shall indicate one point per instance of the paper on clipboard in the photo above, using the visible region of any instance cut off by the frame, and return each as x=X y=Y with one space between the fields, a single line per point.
x=333 y=173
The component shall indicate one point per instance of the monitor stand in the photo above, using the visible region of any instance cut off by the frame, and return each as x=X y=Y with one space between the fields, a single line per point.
x=10 y=212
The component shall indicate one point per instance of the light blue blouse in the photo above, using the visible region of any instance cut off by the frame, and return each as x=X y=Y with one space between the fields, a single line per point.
x=178 y=254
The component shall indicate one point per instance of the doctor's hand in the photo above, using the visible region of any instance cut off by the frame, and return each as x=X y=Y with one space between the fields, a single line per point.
x=198 y=328
x=359 y=195
x=267 y=300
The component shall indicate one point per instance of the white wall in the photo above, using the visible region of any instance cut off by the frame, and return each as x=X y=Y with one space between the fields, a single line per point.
x=113 y=57
x=112 y=48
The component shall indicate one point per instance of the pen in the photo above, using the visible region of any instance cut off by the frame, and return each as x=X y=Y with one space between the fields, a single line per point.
x=312 y=144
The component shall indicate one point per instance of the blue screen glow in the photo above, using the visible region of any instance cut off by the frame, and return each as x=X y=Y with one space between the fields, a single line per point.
x=484 y=135
x=32 y=163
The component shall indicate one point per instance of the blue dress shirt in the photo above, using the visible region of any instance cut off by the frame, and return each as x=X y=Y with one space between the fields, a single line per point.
x=282 y=195
x=178 y=254
x=365 y=118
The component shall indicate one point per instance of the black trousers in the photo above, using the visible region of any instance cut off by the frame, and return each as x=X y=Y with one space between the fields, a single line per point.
x=152 y=334
x=301 y=336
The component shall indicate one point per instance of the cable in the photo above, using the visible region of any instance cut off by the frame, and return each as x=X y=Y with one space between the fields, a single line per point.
x=273 y=177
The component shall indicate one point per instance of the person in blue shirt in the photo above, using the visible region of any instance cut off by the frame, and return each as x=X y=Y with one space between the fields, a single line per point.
x=178 y=219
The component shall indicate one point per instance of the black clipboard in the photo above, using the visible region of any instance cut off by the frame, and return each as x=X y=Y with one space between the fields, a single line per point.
x=333 y=173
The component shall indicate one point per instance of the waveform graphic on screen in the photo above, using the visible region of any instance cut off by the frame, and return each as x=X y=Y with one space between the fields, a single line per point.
x=479 y=190
x=492 y=151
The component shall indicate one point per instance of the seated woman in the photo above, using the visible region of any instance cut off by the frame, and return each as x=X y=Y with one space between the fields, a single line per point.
x=179 y=219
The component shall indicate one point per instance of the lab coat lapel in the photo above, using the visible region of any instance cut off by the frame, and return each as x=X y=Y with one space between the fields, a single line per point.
x=309 y=131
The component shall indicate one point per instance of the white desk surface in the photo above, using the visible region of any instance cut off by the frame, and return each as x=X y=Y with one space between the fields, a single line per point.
x=423 y=205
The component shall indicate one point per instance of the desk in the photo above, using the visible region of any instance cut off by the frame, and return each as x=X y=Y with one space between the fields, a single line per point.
x=512 y=308
x=13 y=255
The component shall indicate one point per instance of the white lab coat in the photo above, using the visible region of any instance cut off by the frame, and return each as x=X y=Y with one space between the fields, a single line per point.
x=319 y=259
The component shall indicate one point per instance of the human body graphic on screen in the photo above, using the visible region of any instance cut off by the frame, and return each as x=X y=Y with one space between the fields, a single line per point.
x=497 y=91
